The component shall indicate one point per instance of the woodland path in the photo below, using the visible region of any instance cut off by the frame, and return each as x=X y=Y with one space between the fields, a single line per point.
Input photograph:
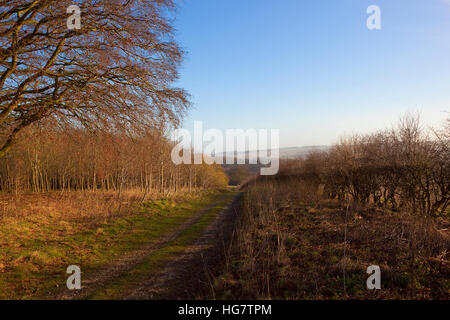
x=187 y=275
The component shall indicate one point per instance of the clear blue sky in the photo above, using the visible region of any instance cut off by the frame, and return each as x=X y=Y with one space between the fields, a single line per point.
x=311 y=68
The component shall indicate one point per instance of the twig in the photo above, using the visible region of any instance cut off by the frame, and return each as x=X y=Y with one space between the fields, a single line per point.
x=345 y=241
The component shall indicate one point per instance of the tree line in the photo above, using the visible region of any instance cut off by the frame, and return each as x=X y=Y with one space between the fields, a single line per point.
x=404 y=168
x=91 y=108
x=51 y=159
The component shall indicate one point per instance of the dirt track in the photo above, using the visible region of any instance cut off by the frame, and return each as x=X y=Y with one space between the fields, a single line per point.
x=186 y=277
x=189 y=276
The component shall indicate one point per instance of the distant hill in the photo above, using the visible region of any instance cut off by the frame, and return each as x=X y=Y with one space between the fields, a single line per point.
x=238 y=174
x=300 y=152
x=290 y=153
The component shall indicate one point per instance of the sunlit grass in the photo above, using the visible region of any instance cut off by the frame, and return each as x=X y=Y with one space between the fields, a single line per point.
x=36 y=249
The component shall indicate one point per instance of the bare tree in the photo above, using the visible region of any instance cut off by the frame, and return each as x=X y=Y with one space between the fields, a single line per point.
x=117 y=70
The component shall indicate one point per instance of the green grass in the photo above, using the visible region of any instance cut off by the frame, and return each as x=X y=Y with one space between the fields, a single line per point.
x=35 y=251
x=160 y=257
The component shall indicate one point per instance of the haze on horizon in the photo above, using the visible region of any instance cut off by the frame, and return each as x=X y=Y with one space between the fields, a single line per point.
x=313 y=69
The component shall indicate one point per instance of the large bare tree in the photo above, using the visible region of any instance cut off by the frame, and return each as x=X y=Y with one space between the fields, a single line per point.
x=118 y=69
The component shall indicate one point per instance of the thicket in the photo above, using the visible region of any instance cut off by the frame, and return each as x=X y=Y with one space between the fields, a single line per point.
x=406 y=168
x=45 y=160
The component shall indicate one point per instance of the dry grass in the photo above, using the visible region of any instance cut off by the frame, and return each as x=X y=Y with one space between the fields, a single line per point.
x=41 y=234
x=92 y=206
x=290 y=245
x=73 y=205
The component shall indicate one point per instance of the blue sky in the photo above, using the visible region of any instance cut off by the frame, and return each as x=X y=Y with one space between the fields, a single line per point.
x=312 y=68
